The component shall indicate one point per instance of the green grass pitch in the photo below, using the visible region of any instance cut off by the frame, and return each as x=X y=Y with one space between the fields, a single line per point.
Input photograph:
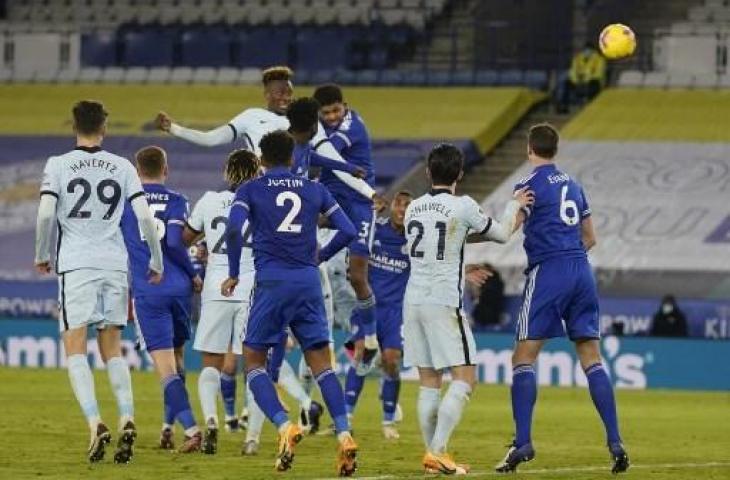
x=670 y=435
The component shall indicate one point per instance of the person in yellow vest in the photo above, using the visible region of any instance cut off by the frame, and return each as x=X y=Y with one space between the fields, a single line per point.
x=586 y=77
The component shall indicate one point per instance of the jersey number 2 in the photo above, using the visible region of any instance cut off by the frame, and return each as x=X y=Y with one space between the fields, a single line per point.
x=440 y=246
x=287 y=225
x=220 y=245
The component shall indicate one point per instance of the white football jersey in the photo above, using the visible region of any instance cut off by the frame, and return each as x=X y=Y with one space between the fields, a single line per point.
x=91 y=186
x=210 y=216
x=437 y=225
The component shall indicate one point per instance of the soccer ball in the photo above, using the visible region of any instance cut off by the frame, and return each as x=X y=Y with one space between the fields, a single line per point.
x=617 y=41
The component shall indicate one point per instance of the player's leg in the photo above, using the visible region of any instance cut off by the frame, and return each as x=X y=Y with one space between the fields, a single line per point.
x=78 y=293
x=354 y=380
x=582 y=323
x=390 y=326
x=209 y=384
x=228 y=386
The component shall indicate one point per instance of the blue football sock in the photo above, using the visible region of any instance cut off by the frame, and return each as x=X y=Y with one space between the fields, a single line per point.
x=228 y=393
x=265 y=395
x=366 y=312
x=334 y=398
x=389 y=391
x=353 y=388
x=524 y=395
x=276 y=358
x=601 y=390
x=176 y=397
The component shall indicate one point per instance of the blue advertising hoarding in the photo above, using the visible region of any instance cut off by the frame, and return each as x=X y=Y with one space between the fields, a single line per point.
x=634 y=362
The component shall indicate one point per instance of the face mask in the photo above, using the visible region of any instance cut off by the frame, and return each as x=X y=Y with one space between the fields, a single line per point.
x=667 y=308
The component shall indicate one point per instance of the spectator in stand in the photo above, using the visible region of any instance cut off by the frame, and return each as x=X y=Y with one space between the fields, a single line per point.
x=669 y=320
x=488 y=310
x=586 y=77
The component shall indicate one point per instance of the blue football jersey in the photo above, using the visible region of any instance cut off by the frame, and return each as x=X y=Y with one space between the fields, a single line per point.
x=553 y=224
x=168 y=207
x=351 y=139
x=389 y=264
x=283 y=211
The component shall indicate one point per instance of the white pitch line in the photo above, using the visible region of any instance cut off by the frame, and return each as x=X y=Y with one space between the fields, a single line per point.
x=594 y=468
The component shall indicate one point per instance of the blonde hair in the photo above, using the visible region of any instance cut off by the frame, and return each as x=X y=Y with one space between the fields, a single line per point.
x=241 y=166
x=279 y=72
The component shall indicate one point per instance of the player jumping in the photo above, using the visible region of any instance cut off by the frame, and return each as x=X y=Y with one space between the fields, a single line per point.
x=283 y=211
x=163 y=311
x=560 y=287
x=436 y=335
x=83 y=191
x=349 y=136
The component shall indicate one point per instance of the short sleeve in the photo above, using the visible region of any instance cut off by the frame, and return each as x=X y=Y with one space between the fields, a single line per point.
x=50 y=183
x=132 y=183
x=474 y=216
x=585 y=211
x=329 y=204
x=195 y=221
x=178 y=211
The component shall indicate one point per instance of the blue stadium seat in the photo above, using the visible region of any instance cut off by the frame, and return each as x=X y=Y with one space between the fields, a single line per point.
x=206 y=47
x=319 y=77
x=99 y=49
x=485 y=77
x=262 y=47
x=536 y=79
x=318 y=48
x=345 y=77
x=378 y=57
x=150 y=47
x=510 y=77
x=391 y=77
x=462 y=77
x=414 y=77
x=366 y=77
x=438 y=78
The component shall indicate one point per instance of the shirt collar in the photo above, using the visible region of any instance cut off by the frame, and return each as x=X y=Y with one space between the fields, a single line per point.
x=436 y=191
x=94 y=149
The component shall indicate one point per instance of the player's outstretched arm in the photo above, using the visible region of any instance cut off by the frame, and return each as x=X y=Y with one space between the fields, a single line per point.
x=317 y=160
x=149 y=230
x=346 y=233
x=44 y=232
x=501 y=230
x=217 y=136
x=588 y=233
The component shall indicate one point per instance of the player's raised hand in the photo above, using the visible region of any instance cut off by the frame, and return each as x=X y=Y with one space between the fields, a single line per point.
x=477 y=274
x=228 y=286
x=197 y=284
x=359 y=173
x=525 y=196
x=43 y=268
x=379 y=203
x=163 y=122
x=154 y=277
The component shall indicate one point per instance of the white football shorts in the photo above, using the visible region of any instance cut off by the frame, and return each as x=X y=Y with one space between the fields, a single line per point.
x=90 y=296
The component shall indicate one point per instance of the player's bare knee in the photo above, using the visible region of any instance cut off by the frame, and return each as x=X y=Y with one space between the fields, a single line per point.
x=253 y=359
x=318 y=359
x=74 y=341
x=216 y=361
x=589 y=352
x=391 y=362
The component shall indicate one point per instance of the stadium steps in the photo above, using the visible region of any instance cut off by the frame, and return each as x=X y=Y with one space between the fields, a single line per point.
x=451 y=43
x=509 y=154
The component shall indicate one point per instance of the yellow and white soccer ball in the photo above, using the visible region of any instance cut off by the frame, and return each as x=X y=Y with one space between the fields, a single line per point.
x=617 y=41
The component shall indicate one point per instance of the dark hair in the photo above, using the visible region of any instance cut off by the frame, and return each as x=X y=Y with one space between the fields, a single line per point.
x=89 y=117
x=445 y=163
x=404 y=193
x=543 y=140
x=151 y=161
x=241 y=165
x=279 y=72
x=277 y=148
x=328 y=94
x=303 y=114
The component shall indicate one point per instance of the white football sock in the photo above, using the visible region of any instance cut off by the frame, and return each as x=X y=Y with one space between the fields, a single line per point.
x=306 y=377
x=256 y=418
x=449 y=414
x=82 y=383
x=428 y=406
x=121 y=382
x=288 y=379
x=209 y=383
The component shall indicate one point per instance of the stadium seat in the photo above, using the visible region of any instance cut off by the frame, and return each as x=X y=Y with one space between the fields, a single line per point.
x=391 y=77
x=180 y=75
x=631 y=79
x=462 y=77
x=148 y=47
x=680 y=80
x=724 y=81
x=537 y=79
x=366 y=77
x=159 y=75
x=414 y=77
x=706 y=80
x=90 y=75
x=227 y=76
x=437 y=78
x=345 y=77
x=99 y=49
x=46 y=76
x=112 y=75
x=250 y=76
x=204 y=75
x=135 y=75
x=262 y=47
x=485 y=77
x=69 y=75
x=510 y=77
x=205 y=47
x=656 y=80
x=318 y=48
